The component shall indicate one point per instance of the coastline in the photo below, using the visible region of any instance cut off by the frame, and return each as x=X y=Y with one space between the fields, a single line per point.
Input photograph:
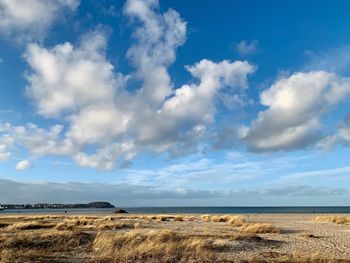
x=191 y=210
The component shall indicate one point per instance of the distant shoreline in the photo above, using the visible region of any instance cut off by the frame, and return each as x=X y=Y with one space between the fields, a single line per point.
x=190 y=210
x=98 y=204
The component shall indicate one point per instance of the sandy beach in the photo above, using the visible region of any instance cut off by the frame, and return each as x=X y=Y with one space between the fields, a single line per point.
x=175 y=238
x=301 y=233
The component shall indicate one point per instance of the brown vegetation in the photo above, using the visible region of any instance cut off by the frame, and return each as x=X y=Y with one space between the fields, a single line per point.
x=234 y=220
x=334 y=219
x=85 y=223
x=152 y=246
x=148 y=238
x=258 y=228
x=39 y=245
x=30 y=225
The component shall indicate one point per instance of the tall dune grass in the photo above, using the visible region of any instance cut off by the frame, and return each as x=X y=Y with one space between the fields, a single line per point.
x=258 y=228
x=31 y=225
x=39 y=245
x=106 y=223
x=152 y=246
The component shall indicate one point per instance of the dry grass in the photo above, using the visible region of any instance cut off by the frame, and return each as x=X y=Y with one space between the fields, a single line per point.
x=166 y=218
x=161 y=218
x=137 y=225
x=30 y=217
x=179 y=218
x=30 y=225
x=217 y=219
x=334 y=219
x=39 y=245
x=152 y=246
x=2 y=225
x=144 y=238
x=106 y=223
x=246 y=237
x=234 y=220
x=258 y=228
x=206 y=218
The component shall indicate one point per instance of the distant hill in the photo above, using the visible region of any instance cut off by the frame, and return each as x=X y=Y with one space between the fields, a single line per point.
x=100 y=205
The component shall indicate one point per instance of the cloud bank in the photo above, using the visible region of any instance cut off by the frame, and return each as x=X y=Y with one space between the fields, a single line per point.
x=101 y=109
x=103 y=118
x=137 y=195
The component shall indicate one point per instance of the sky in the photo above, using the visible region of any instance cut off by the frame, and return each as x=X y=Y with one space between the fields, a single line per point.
x=175 y=103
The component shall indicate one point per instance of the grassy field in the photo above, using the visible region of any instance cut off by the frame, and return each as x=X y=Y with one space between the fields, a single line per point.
x=153 y=238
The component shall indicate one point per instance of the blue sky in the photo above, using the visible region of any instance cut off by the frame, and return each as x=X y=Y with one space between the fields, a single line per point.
x=173 y=103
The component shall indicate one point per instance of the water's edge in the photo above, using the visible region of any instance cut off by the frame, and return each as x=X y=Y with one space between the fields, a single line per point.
x=191 y=210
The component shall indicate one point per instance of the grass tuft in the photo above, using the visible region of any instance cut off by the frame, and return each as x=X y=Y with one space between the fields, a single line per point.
x=258 y=228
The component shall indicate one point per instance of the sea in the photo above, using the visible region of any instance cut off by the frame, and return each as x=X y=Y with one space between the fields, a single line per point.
x=190 y=210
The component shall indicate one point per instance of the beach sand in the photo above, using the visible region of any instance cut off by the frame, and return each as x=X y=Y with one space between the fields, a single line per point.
x=175 y=238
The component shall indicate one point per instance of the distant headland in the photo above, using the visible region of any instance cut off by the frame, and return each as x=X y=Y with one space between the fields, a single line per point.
x=57 y=206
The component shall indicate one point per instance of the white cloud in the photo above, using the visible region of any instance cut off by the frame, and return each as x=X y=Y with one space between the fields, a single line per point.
x=295 y=106
x=4 y=154
x=29 y=19
x=156 y=40
x=193 y=105
x=344 y=131
x=79 y=86
x=6 y=142
x=23 y=165
x=245 y=48
x=340 y=136
x=66 y=78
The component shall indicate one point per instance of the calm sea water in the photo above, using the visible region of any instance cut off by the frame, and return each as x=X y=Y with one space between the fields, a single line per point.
x=191 y=210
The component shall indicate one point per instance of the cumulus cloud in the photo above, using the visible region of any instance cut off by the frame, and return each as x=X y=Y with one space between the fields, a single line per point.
x=29 y=19
x=344 y=130
x=340 y=136
x=65 y=79
x=23 y=165
x=156 y=40
x=295 y=105
x=101 y=110
x=245 y=48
